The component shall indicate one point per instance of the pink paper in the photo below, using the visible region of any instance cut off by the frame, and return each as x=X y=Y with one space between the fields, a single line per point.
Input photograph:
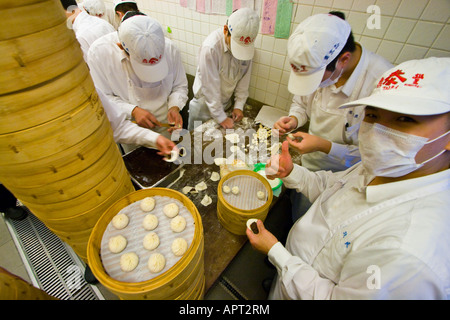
x=201 y=6
x=236 y=4
x=269 y=16
x=183 y=3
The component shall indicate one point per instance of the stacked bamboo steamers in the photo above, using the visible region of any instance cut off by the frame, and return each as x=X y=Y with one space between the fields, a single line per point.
x=57 y=150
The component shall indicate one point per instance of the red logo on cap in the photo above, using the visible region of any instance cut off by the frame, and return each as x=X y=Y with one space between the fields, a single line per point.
x=391 y=81
x=297 y=69
x=246 y=40
x=151 y=61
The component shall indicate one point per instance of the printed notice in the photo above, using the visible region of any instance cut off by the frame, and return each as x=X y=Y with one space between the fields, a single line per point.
x=269 y=16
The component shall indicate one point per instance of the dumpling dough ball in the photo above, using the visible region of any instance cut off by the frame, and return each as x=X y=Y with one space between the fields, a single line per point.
x=179 y=247
x=151 y=241
x=147 y=204
x=156 y=262
x=226 y=189
x=178 y=224
x=120 y=221
x=171 y=210
x=129 y=261
x=150 y=222
x=261 y=195
x=235 y=190
x=117 y=244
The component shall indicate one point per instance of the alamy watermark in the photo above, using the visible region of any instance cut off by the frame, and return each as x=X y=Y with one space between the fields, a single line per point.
x=374 y=21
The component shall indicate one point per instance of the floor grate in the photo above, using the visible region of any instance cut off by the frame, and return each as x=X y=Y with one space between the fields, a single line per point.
x=53 y=265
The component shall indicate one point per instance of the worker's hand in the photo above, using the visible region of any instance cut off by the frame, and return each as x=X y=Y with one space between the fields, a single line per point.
x=144 y=118
x=280 y=165
x=164 y=145
x=237 y=115
x=174 y=117
x=264 y=240
x=228 y=123
x=285 y=124
x=306 y=143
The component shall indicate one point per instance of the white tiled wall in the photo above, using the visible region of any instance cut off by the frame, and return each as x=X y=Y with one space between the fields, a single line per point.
x=410 y=29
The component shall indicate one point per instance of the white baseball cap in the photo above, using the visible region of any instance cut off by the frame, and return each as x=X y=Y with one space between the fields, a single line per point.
x=143 y=38
x=117 y=2
x=415 y=87
x=243 y=25
x=316 y=42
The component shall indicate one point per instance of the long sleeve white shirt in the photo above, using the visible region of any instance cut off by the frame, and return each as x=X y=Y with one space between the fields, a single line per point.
x=219 y=75
x=389 y=241
x=340 y=126
x=105 y=60
x=125 y=131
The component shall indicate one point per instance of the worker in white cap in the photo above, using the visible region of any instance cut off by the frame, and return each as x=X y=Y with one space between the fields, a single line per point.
x=88 y=24
x=328 y=68
x=224 y=69
x=121 y=7
x=381 y=229
x=141 y=72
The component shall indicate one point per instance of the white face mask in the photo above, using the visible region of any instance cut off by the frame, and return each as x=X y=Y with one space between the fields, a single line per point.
x=328 y=82
x=386 y=152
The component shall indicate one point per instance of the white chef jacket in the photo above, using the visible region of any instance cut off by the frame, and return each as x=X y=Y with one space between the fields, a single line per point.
x=340 y=126
x=109 y=64
x=398 y=233
x=124 y=130
x=89 y=28
x=219 y=75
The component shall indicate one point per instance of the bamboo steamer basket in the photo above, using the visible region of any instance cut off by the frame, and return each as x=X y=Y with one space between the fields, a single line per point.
x=235 y=219
x=26 y=109
x=34 y=16
x=61 y=165
x=185 y=280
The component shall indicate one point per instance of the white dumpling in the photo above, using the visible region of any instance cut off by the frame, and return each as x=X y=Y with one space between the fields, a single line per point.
x=171 y=210
x=129 y=261
x=147 y=204
x=178 y=224
x=261 y=195
x=156 y=262
x=206 y=201
x=226 y=189
x=150 y=222
x=120 y=221
x=235 y=190
x=179 y=247
x=151 y=241
x=117 y=244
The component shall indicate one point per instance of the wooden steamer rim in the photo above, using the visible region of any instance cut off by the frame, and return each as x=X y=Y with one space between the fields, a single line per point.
x=195 y=250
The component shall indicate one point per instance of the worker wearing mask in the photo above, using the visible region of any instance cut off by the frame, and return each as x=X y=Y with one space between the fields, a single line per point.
x=141 y=71
x=224 y=69
x=328 y=68
x=380 y=229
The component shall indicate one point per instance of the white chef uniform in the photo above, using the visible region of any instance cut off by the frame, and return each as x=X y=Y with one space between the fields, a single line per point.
x=218 y=76
x=89 y=28
x=340 y=126
x=398 y=233
x=112 y=73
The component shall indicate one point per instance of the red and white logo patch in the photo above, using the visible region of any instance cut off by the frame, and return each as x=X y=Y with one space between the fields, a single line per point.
x=151 y=60
x=397 y=78
x=301 y=68
x=246 y=40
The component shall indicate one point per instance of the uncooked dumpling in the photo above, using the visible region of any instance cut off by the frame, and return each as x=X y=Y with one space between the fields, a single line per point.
x=171 y=210
x=156 y=262
x=147 y=204
x=117 y=244
x=151 y=241
x=120 y=221
x=201 y=186
x=206 y=201
x=179 y=247
x=226 y=189
x=215 y=176
x=261 y=195
x=186 y=189
x=150 y=222
x=235 y=190
x=129 y=261
x=178 y=224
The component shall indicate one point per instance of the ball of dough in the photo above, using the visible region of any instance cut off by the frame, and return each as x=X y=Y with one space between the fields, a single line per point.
x=235 y=190
x=226 y=189
x=261 y=195
x=147 y=204
x=171 y=210
x=156 y=262
x=178 y=224
x=151 y=241
x=150 y=222
x=117 y=244
x=179 y=247
x=120 y=221
x=129 y=261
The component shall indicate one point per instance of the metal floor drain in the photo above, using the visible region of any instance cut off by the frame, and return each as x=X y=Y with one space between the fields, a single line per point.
x=51 y=264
